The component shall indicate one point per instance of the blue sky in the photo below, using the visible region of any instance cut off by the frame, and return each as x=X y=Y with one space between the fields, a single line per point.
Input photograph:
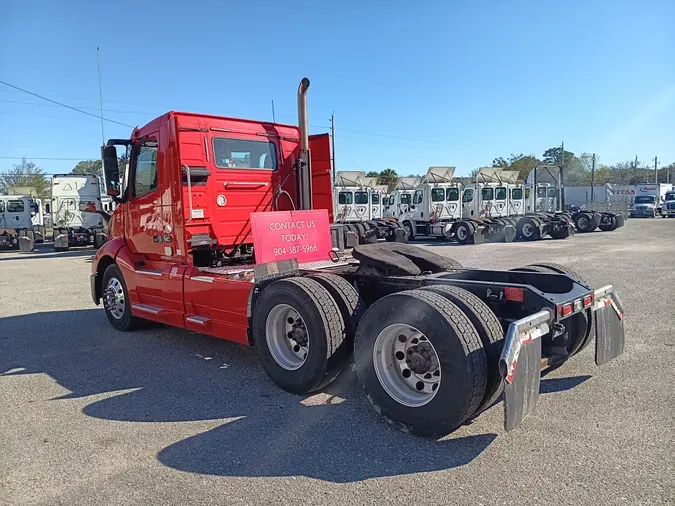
x=412 y=84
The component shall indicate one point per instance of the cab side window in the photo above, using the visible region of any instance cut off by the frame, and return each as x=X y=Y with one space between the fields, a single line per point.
x=467 y=196
x=145 y=172
x=2 y=206
x=417 y=199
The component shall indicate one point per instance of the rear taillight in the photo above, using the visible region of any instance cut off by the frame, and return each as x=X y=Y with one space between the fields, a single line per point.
x=588 y=300
x=566 y=310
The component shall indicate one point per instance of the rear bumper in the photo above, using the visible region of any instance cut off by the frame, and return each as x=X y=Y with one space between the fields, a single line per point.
x=521 y=360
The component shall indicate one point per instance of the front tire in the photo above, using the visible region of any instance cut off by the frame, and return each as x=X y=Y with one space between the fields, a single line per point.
x=116 y=300
x=297 y=330
x=421 y=362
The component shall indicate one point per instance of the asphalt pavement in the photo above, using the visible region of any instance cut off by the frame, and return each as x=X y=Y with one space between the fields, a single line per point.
x=161 y=416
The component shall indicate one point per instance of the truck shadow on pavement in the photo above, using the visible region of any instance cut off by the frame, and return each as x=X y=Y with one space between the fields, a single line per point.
x=172 y=375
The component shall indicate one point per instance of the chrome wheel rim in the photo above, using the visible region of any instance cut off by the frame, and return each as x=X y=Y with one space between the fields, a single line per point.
x=583 y=222
x=287 y=337
x=528 y=229
x=113 y=298
x=407 y=365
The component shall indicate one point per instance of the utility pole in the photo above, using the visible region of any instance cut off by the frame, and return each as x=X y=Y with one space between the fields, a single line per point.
x=100 y=101
x=274 y=118
x=592 y=176
x=332 y=138
x=562 y=176
x=656 y=170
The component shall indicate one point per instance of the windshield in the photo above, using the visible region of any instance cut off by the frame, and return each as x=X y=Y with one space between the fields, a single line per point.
x=647 y=199
x=244 y=154
x=15 y=206
x=361 y=197
x=670 y=196
x=405 y=198
x=345 y=198
x=437 y=195
x=452 y=194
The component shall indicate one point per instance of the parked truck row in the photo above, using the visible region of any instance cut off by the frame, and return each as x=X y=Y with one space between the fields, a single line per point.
x=492 y=206
x=227 y=227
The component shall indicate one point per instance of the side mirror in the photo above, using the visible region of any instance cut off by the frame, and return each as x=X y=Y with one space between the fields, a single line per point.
x=111 y=170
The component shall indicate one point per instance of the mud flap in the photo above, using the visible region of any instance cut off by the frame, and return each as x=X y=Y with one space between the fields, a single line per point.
x=26 y=243
x=61 y=242
x=620 y=221
x=509 y=233
x=520 y=366
x=478 y=236
x=609 y=327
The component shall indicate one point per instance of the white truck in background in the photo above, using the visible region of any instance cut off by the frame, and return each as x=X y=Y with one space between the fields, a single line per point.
x=16 y=225
x=668 y=210
x=400 y=198
x=649 y=198
x=76 y=200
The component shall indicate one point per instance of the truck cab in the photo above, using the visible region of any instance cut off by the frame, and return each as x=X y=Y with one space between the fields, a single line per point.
x=15 y=220
x=181 y=252
x=645 y=206
x=668 y=210
x=355 y=197
x=401 y=197
x=76 y=201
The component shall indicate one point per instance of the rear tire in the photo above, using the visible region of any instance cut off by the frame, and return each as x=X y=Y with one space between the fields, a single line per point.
x=490 y=332
x=584 y=222
x=347 y=298
x=463 y=232
x=608 y=227
x=116 y=300
x=297 y=329
x=444 y=349
x=528 y=229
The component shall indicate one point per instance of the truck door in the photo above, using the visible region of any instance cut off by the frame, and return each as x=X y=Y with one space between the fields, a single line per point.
x=375 y=205
x=500 y=207
x=156 y=290
x=362 y=205
x=468 y=203
x=516 y=202
x=437 y=203
x=451 y=203
x=322 y=185
x=487 y=208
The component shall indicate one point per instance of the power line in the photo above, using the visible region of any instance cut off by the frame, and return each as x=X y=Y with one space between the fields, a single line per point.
x=83 y=108
x=64 y=105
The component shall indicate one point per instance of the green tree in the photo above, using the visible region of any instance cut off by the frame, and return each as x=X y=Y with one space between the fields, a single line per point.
x=498 y=162
x=373 y=173
x=388 y=177
x=25 y=173
x=553 y=156
x=87 y=167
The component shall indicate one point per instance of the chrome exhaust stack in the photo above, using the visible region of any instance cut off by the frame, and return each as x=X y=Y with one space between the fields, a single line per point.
x=304 y=172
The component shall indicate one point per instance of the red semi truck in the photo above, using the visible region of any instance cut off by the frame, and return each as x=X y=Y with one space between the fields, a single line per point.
x=224 y=227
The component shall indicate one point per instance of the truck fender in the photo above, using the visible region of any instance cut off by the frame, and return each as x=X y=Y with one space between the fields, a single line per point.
x=265 y=274
x=105 y=256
